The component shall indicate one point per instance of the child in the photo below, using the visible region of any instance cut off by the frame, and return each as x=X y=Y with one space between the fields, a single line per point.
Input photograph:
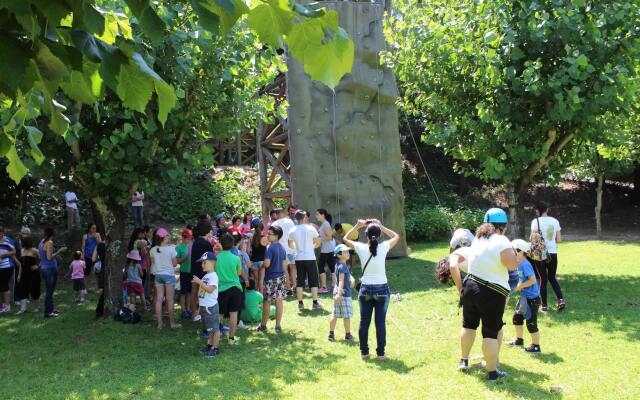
x=527 y=307
x=184 y=259
x=275 y=263
x=342 y=307
x=208 y=300
x=252 y=311
x=77 y=268
x=229 y=269
x=133 y=282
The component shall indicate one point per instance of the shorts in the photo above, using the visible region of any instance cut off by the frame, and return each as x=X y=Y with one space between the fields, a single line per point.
x=274 y=288
x=329 y=260
x=78 y=284
x=481 y=303
x=307 y=269
x=343 y=308
x=291 y=258
x=134 y=288
x=230 y=301
x=29 y=284
x=185 y=282
x=5 y=277
x=165 y=279
x=256 y=265
x=210 y=318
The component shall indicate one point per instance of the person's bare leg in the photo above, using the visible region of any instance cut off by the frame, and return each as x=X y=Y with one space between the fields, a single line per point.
x=279 y=311
x=214 y=339
x=467 y=337
x=194 y=299
x=169 y=300
x=519 y=331
x=293 y=275
x=314 y=293
x=183 y=302
x=332 y=324
x=500 y=336
x=299 y=293
x=535 y=338
x=333 y=280
x=266 y=306
x=158 y=307
x=347 y=325
x=490 y=350
x=323 y=279
x=233 y=323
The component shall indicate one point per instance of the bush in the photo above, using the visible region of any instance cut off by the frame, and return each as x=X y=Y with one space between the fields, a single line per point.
x=437 y=223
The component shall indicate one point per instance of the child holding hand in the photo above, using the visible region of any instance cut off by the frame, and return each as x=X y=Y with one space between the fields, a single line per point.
x=342 y=307
x=208 y=300
x=529 y=302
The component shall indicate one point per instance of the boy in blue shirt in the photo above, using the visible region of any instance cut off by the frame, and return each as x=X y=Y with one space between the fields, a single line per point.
x=275 y=262
x=342 y=307
x=529 y=302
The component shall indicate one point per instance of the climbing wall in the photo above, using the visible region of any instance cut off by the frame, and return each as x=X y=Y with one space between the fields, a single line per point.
x=345 y=146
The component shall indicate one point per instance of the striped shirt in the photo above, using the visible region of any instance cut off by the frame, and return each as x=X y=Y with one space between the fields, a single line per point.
x=5 y=247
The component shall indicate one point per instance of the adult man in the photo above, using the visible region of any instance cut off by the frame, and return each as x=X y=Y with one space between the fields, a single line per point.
x=304 y=239
x=286 y=224
x=73 y=215
x=137 y=207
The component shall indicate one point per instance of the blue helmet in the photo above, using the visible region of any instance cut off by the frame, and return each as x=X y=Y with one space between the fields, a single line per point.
x=255 y=221
x=496 y=216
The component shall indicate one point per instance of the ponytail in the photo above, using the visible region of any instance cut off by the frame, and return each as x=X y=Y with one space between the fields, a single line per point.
x=487 y=229
x=373 y=233
x=373 y=245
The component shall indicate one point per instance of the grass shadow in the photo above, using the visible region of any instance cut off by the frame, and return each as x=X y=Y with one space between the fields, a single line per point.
x=517 y=383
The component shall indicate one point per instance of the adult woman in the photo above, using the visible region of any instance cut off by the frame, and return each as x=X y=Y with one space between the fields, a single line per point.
x=550 y=230
x=485 y=290
x=327 y=244
x=30 y=276
x=374 y=292
x=245 y=226
x=90 y=240
x=163 y=266
x=49 y=270
x=100 y=259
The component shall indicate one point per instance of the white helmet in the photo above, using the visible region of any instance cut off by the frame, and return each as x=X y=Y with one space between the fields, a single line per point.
x=519 y=244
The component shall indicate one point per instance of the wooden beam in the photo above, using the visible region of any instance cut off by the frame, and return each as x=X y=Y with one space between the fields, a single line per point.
x=275 y=139
x=277 y=166
x=277 y=195
x=271 y=132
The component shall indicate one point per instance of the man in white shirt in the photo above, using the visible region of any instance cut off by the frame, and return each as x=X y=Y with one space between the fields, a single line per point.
x=137 y=207
x=304 y=239
x=73 y=214
x=286 y=224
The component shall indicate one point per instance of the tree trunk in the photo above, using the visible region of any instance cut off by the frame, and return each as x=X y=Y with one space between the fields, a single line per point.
x=112 y=217
x=599 y=190
x=636 y=184
x=515 y=196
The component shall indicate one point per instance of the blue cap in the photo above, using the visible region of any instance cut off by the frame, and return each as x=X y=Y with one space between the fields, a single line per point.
x=209 y=255
x=496 y=216
x=340 y=248
x=255 y=221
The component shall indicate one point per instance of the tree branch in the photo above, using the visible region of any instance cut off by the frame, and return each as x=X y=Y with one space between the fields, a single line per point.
x=553 y=145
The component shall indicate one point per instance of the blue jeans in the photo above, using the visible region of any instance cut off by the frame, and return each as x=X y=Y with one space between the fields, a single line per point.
x=373 y=297
x=138 y=216
x=50 y=277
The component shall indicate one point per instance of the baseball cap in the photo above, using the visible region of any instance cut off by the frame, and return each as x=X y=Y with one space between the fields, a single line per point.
x=340 y=248
x=25 y=230
x=162 y=233
x=134 y=255
x=209 y=255
x=521 y=245
x=186 y=233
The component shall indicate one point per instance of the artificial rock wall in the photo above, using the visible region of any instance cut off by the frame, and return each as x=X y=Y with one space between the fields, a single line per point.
x=345 y=146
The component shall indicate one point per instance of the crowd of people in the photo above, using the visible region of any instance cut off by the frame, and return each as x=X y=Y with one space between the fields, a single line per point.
x=232 y=274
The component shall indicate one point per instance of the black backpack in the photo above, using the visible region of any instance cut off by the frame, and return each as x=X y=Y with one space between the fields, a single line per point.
x=127 y=316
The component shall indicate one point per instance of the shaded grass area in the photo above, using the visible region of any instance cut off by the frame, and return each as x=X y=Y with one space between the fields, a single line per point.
x=591 y=350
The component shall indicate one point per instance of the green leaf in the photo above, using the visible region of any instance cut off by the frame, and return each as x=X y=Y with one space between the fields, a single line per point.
x=582 y=60
x=490 y=37
x=208 y=20
x=14 y=63
x=59 y=122
x=5 y=143
x=78 y=87
x=51 y=68
x=150 y=22
x=15 y=168
x=110 y=28
x=87 y=45
x=34 y=136
x=228 y=11
x=270 y=21
x=329 y=63
x=134 y=87
x=311 y=10
x=166 y=100
x=303 y=35
x=92 y=18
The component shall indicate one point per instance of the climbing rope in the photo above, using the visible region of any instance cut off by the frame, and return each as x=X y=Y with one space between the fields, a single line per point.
x=335 y=149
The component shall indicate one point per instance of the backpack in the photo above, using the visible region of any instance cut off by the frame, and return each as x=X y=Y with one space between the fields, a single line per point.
x=127 y=316
x=538 y=251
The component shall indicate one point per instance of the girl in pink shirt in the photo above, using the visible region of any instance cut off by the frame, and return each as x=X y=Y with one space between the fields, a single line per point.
x=77 y=268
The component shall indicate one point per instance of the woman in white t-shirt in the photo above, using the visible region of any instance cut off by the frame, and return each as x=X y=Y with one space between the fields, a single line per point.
x=374 y=291
x=485 y=290
x=550 y=229
x=163 y=265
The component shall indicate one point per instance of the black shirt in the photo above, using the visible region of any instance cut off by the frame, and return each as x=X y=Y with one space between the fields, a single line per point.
x=198 y=248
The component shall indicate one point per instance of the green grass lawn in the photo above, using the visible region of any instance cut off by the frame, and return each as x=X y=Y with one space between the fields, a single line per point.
x=590 y=351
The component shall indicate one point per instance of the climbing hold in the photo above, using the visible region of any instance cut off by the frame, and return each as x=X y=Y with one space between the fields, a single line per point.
x=365 y=10
x=299 y=130
x=371 y=136
x=366 y=97
x=326 y=109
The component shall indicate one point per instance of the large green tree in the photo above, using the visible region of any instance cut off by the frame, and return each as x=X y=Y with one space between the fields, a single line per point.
x=507 y=85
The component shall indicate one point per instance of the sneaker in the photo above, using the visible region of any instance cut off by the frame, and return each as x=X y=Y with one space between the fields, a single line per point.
x=51 y=315
x=532 y=349
x=464 y=364
x=561 y=305
x=278 y=329
x=224 y=330
x=316 y=306
x=241 y=325
x=544 y=308
x=300 y=305
x=260 y=328
x=205 y=348
x=331 y=337
x=515 y=342
x=348 y=336
x=365 y=356
x=234 y=341
x=213 y=352
x=381 y=358
x=196 y=318
x=323 y=290
x=497 y=374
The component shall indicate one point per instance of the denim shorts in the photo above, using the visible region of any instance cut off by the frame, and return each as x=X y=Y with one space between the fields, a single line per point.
x=256 y=264
x=210 y=318
x=165 y=280
x=291 y=258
